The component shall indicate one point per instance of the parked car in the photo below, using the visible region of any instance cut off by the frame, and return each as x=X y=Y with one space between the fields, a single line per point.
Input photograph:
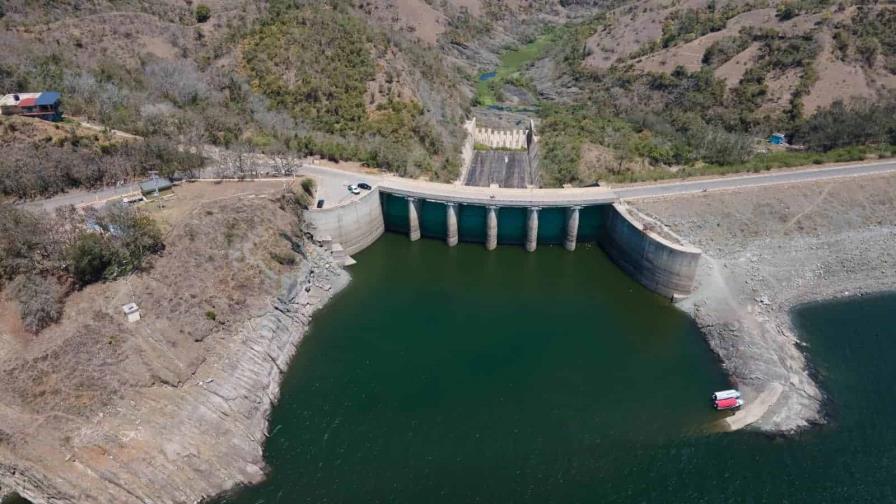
x=354 y=189
x=320 y=203
x=364 y=185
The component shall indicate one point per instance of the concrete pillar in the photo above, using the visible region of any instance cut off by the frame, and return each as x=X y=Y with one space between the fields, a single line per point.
x=572 y=228
x=451 y=224
x=413 y=219
x=491 y=228
x=532 y=229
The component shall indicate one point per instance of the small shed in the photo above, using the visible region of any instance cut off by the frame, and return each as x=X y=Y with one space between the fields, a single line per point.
x=157 y=184
x=132 y=312
x=777 y=139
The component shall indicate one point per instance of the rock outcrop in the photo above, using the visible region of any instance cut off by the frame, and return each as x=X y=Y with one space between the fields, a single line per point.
x=186 y=443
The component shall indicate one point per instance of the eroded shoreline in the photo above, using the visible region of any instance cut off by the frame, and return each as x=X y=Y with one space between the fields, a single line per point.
x=194 y=442
x=768 y=251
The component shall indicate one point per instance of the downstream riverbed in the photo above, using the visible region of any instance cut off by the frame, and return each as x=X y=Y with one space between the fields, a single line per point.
x=459 y=375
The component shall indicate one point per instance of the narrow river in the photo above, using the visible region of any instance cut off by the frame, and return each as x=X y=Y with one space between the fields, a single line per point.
x=460 y=375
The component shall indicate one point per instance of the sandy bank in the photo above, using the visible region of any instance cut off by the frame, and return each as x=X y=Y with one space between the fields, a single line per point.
x=768 y=250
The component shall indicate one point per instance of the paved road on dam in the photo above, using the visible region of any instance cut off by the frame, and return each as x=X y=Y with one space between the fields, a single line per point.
x=332 y=184
x=746 y=181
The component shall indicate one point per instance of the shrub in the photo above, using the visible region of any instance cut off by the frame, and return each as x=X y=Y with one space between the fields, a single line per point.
x=211 y=315
x=40 y=301
x=203 y=13
x=25 y=242
x=857 y=123
x=308 y=185
x=88 y=258
x=287 y=259
x=723 y=50
x=125 y=238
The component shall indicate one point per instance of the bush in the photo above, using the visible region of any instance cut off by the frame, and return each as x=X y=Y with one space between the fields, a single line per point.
x=26 y=243
x=203 y=13
x=88 y=258
x=40 y=301
x=124 y=239
x=722 y=50
x=858 y=123
x=211 y=315
x=308 y=185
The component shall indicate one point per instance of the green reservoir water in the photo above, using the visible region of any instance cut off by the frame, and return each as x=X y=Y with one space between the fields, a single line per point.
x=460 y=375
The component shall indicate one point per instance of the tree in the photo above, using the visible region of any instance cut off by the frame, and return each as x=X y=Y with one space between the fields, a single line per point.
x=40 y=301
x=203 y=13
x=88 y=257
x=26 y=245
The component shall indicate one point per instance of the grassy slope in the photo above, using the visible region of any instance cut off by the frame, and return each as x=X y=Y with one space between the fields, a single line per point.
x=512 y=63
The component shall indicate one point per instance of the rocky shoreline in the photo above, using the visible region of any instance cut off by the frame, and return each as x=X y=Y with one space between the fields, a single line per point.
x=195 y=441
x=767 y=252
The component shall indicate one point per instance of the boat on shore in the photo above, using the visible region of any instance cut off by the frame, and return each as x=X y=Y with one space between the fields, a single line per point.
x=727 y=404
x=726 y=394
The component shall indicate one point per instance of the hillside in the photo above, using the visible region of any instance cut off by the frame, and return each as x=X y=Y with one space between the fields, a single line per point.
x=678 y=88
x=621 y=89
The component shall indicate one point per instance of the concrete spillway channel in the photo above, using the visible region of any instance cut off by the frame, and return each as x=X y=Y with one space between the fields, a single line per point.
x=522 y=217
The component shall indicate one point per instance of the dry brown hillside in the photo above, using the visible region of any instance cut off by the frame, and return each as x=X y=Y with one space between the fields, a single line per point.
x=632 y=31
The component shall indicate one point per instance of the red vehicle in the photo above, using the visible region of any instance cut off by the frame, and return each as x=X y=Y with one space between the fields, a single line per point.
x=726 y=404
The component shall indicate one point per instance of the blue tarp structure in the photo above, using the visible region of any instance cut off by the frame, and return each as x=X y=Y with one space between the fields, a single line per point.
x=47 y=98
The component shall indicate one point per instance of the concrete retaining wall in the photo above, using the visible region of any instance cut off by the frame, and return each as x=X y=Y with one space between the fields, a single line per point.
x=651 y=255
x=355 y=225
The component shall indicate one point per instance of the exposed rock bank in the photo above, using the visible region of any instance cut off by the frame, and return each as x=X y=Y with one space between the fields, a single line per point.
x=173 y=408
x=187 y=443
x=767 y=251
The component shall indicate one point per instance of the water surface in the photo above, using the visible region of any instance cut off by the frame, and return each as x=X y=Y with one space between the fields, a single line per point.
x=459 y=375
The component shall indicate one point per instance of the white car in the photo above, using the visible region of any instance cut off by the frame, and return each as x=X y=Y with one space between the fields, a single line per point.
x=354 y=189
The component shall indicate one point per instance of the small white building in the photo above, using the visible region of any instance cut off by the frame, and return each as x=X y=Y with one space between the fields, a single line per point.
x=132 y=312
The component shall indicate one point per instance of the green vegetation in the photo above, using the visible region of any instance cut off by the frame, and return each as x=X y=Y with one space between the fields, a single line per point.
x=722 y=50
x=123 y=238
x=860 y=123
x=211 y=315
x=203 y=13
x=634 y=126
x=318 y=62
x=464 y=28
x=488 y=92
x=685 y=25
x=315 y=63
x=869 y=34
x=790 y=9
x=43 y=256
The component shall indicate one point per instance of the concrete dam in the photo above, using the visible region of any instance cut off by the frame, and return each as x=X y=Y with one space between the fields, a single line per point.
x=520 y=217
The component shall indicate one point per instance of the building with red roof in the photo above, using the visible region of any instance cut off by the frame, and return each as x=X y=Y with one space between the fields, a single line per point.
x=44 y=105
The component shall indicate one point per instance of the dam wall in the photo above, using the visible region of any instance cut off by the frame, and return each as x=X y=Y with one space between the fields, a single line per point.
x=643 y=248
x=648 y=252
x=354 y=225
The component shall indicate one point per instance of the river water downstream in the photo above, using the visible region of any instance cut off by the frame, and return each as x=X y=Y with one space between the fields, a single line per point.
x=460 y=375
